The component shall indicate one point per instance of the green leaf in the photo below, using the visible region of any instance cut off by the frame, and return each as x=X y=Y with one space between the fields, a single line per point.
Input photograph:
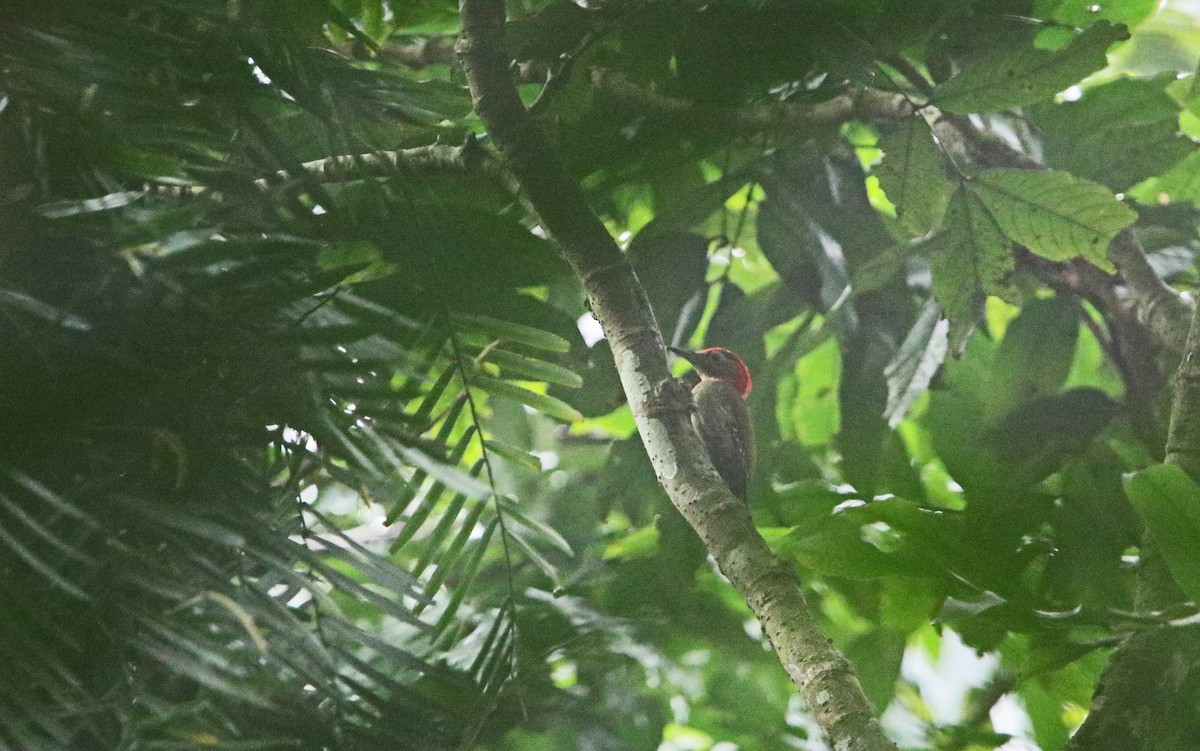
x=539 y=529
x=513 y=454
x=885 y=267
x=518 y=536
x=876 y=656
x=513 y=332
x=814 y=412
x=547 y=405
x=1186 y=91
x=1034 y=438
x=1024 y=76
x=908 y=604
x=638 y=543
x=1045 y=710
x=1084 y=12
x=1035 y=355
x=1179 y=184
x=954 y=609
x=913 y=367
x=671 y=266
x=46 y=569
x=1054 y=214
x=354 y=254
x=911 y=175
x=1118 y=134
x=862 y=398
x=840 y=551
x=453 y=477
x=1169 y=502
x=533 y=368
x=198 y=527
x=61 y=209
x=33 y=306
x=971 y=259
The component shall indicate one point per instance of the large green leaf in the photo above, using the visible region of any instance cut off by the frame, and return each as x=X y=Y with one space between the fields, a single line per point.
x=1028 y=75
x=1169 y=502
x=876 y=656
x=813 y=414
x=1117 y=134
x=671 y=266
x=1054 y=214
x=1034 y=358
x=1083 y=12
x=912 y=175
x=971 y=259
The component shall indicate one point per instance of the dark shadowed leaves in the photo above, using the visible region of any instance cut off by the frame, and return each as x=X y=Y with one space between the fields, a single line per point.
x=1169 y=502
x=1024 y=76
x=912 y=175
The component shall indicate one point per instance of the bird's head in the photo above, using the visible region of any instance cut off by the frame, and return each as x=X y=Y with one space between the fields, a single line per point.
x=719 y=363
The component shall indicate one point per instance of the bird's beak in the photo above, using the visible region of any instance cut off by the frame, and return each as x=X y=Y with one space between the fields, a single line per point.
x=686 y=354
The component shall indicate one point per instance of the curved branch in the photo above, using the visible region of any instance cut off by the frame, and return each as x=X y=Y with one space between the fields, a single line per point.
x=780 y=118
x=1159 y=306
x=660 y=404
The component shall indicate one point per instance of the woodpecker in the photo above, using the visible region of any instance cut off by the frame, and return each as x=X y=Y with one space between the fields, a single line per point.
x=722 y=417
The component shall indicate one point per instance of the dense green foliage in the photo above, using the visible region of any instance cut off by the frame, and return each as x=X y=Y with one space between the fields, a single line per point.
x=315 y=456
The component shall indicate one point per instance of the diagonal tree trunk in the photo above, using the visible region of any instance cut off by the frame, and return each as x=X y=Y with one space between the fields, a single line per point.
x=660 y=404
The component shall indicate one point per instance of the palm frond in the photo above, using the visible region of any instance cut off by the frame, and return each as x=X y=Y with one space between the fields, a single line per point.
x=201 y=333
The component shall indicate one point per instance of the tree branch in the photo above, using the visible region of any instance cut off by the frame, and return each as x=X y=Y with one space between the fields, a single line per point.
x=1183 y=439
x=660 y=404
x=438 y=158
x=780 y=117
x=1159 y=306
x=433 y=159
